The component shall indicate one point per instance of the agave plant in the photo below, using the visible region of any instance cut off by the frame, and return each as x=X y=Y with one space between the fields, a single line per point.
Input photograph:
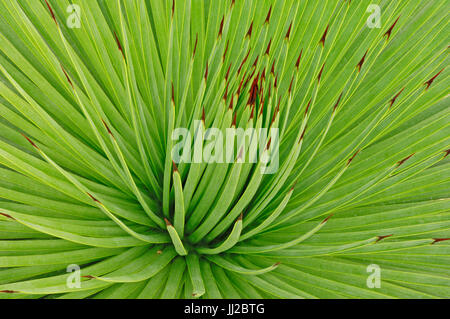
x=93 y=204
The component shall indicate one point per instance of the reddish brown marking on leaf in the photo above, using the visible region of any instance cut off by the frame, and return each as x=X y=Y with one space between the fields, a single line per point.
x=276 y=111
x=436 y=240
x=253 y=91
x=392 y=101
x=389 y=31
x=337 y=102
x=30 y=141
x=261 y=103
x=93 y=198
x=203 y=115
x=249 y=32
x=243 y=61
x=252 y=112
x=232 y=3
x=326 y=219
x=173 y=7
x=175 y=168
x=288 y=33
x=67 y=76
x=231 y=103
x=275 y=84
x=320 y=73
x=430 y=81
x=324 y=36
x=238 y=92
x=51 y=12
x=206 y=71
x=195 y=45
x=268 y=15
x=268 y=47
x=382 y=237
x=233 y=123
x=256 y=61
x=360 y=64
x=307 y=106
x=221 y=27
x=167 y=222
x=9 y=291
x=276 y=264
x=293 y=186
x=303 y=134
x=88 y=277
x=290 y=85
x=159 y=252
x=226 y=50
x=7 y=216
x=173 y=94
x=225 y=96
x=228 y=72
x=241 y=216
x=297 y=64
x=446 y=153
x=118 y=44
x=263 y=75
x=404 y=160
x=272 y=70
x=351 y=158
x=107 y=127
x=268 y=143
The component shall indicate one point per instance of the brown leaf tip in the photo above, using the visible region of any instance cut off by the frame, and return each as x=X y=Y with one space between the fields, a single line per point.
x=324 y=36
x=276 y=264
x=88 y=277
x=195 y=45
x=288 y=33
x=382 y=237
x=360 y=64
x=326 y=219
x=446 y=153
x=430 y=81
x=268 y=15
x=30 y=141
x=404 y=160
x=118 y=44
x=167 y=222
x=9 y=291
x=67 y=76
x=392 y=101
x=221 y=27
x=203 y=115
x=175 y=168
x=436 y=240
x=249 y=32
x=268 y=47
x=297 y=64
x=389 y=31
x=320 y=73
x=107 y=127
x=351 y=158
x=173 y=95
x=337 y=102
x=7 y=216
x=93 y=198
x=206 y=71
x=51 y=11
x=241 y=216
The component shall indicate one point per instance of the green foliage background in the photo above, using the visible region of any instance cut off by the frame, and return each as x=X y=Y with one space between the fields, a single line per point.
x=94 y=181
